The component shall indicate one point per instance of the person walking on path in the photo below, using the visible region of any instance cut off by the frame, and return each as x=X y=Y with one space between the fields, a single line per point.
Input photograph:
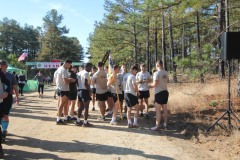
x=21 y=82
x=8 y=101
x=160 y=79
x=40 y=81
x=5 y=90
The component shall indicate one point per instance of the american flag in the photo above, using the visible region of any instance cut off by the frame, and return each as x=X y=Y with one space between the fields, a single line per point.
x=110 y=64
x=23 y=56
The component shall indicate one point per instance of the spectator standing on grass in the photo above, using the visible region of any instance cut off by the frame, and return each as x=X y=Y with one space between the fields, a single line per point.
x=40 y=81
x=160 y=79
x=21 y=82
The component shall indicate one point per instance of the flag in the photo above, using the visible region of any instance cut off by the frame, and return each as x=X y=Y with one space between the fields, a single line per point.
x=110 y=65
x=23 y=56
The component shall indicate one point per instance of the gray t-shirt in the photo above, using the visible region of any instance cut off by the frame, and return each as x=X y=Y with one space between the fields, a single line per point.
x=61 y=74
x=82 y=76
x=100 y=79
x=40 y=79
x=124 y=81
x=131 y=80
x=162 y=78
x=12 y=80
x=117 y=85
x=143 y=76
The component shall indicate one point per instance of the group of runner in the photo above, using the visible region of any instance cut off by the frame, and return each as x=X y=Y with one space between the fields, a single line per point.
x=94 y=83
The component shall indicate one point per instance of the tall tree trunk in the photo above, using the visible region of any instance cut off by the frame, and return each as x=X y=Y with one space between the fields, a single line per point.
x=135 y=44
x=156 y=41
x=147 y=46
x=183 y=42
x=163 y=42
x=198 y=43
x=172 y=49
x=221 y=22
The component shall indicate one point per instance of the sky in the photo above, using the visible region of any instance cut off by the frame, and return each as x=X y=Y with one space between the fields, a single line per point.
x=79 y=15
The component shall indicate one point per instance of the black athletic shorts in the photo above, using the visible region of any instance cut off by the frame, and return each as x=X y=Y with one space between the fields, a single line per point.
x=84 y=95
x=93 y=90
x=63 y=93
x=72 y=95
x=7 y=104
x=115 y=98
x=144 y=94
x=162 y=97
x=109 y=94
x=131 y=100
x=102 y=97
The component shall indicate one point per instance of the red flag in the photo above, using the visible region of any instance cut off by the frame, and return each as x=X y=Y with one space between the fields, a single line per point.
x=23 y=56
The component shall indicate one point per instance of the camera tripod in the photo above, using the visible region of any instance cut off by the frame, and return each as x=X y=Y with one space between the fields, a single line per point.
x=228 y=112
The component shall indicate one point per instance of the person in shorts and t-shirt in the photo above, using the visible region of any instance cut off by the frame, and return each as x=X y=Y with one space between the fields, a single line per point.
x=93 y=88
x=115 y=84
x=131 y=93
x=99 y=79
x=143 y=78
x=84 y=94
x=62 y=83
x=160 y=79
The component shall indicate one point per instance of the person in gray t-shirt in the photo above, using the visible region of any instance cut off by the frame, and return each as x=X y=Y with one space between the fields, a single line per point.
x=160 y=79
x=40 y=81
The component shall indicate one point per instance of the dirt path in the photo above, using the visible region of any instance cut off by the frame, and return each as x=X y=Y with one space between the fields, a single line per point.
x=33 y=134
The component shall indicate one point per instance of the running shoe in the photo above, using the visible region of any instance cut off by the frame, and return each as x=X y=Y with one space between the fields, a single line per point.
x=101 y=118
x=165 y=126
x=86 y=125
x=155 y=128
x=146 y=116
x=78 y=123
x=113 y=122
x=73 y=118
x=68 y=120
x=93 y=109
x=4 y=134
x=61 y=122
x=1 y=153
x=135 y=125
x=109 y=115
x=130 y=125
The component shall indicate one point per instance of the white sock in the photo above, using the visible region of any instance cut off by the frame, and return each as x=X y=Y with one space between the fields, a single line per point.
x=85 y=121
x=65 y=117
x=129 y=121
x=78 y=119
x=135 y=120
x=58 y=118
x=113 y=119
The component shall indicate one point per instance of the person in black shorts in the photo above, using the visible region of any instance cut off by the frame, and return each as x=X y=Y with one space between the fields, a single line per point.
x=84 y=95
x=7 y=102
x=131 y=93
x=160 y=79
x=5 y=90
x=72 y=97
x=21 y=82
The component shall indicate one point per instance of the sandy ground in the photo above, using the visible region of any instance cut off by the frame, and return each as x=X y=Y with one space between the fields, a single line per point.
x=33 y=134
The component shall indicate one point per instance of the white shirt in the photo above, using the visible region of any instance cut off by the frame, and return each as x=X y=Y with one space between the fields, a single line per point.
x=162 y=78
x=131 y=80
x=124 y=81
x=60 y=75
x=143 y=76
x=82 y=76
